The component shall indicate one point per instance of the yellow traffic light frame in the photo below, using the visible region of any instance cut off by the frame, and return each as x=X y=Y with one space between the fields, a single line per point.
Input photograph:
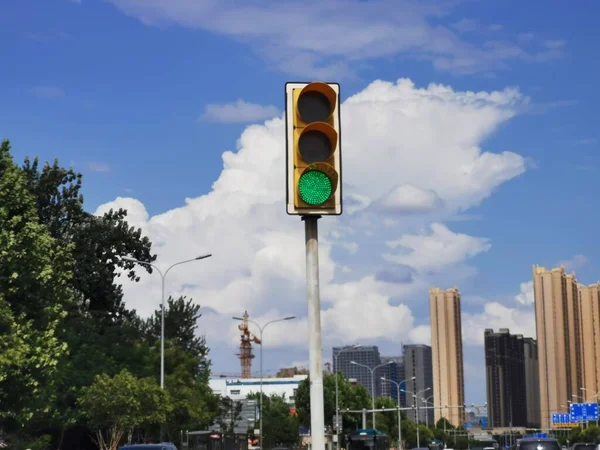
x=296 y=166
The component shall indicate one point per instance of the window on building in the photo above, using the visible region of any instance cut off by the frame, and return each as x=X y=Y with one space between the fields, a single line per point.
x=235 y=392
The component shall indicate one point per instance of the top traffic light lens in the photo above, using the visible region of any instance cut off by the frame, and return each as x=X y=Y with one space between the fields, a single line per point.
x=314 y=106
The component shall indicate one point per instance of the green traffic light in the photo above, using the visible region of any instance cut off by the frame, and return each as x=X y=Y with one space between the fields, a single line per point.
x=315 y=187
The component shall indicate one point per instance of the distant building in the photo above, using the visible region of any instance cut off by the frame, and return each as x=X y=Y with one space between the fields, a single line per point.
x=506 y=380
x=368 y=356
x=394 y=372
x=447 y=354
x=239 y=388
x=532 y=382
x=418 y=363
x=289 y=372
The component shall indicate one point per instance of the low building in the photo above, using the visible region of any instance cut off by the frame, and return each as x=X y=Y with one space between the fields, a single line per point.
x=240 y=388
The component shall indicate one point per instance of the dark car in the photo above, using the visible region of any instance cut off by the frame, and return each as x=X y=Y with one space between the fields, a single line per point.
x=583 y=446
x=538 y=444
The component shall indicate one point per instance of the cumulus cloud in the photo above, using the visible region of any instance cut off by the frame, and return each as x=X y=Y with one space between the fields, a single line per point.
x=429 y=138
x=238 y=112
x=301 y=39
x=574 y=263
x=409 y=199
x=438 y=249
x=496 y=316
x=526 y=295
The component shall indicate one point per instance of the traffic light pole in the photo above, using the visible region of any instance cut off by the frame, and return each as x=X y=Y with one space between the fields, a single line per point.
x=317 y=412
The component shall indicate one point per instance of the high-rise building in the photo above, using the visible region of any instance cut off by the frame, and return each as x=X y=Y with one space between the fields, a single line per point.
x=552 y=319
x=418 y=364
x=532 y=382
x=574 y=376
x=395 y=372
x=368 y=356
x=589 y=334
x=447 y=354
x=505 y=379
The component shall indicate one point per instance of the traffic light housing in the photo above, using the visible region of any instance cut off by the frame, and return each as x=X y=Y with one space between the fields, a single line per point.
x=313 y=150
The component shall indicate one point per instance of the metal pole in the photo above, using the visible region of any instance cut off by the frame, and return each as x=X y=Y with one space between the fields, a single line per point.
x=317 y=413
x=373 y=395
x=418 y=434
x=260 y=408
x=364 y=418
x=162 y=335
x=399 y=420
x=337 y=407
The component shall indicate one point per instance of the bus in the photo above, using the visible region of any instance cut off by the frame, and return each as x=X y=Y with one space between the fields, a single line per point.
x=368 y=439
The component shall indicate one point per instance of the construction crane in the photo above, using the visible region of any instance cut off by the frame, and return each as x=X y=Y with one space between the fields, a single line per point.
x=246 y=340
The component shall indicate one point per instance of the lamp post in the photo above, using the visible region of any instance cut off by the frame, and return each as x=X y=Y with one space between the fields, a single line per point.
x=399 y=406
x=261 y=328
x=416 y=397
x=337 y=408
x=162 y=309
x=427 y=402
x=372 y=383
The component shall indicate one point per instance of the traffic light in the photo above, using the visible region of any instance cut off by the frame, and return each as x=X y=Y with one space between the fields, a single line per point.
x=313 y=150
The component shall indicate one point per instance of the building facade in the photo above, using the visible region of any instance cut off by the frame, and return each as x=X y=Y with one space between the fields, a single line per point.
x=447 y=354
x=589 y=334
x=551 y=323
x=239 y=388
x=395 y=372
x=505 y=379
x=532 y=382
x=418 y=366
x=368 y=356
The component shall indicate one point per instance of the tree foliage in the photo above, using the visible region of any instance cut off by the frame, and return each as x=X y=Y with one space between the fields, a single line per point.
x=350 y=397
x=280 y=426
x=64 y=327
x=35 y=273
x=114 y=405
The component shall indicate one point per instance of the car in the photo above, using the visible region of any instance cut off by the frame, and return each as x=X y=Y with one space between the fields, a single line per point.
x=538 y=444
x=158 y=446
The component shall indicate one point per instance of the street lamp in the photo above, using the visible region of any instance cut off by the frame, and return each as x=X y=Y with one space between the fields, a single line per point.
x=399 y=414
x=416 y=397
x=162 y=312
x=337 y=408
x=261 y=366
x=372 y=383
x=427 y=402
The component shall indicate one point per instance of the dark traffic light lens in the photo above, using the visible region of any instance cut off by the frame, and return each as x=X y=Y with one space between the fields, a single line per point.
x=314 y=106
x=314 y=146
x=315 y=187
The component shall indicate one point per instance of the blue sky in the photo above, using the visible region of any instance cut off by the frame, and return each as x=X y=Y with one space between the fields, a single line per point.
x=122 y=90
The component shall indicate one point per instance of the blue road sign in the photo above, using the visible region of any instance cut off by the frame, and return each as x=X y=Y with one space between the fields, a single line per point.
x=583 y=412
x=561 y=420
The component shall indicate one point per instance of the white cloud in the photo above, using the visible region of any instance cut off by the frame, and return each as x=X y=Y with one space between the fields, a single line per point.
x=47 y=92
x=526 y=295
x=98 y=167
x=238 y=112
x=496 y=316
x=428 y=138
x=301 y=39
x=410 y=199
x=574 y=263
x=421 y=335
x=437 y=250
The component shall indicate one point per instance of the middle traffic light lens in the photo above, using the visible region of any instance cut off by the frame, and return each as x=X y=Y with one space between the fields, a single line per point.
x=314 y=146
x=314 y=106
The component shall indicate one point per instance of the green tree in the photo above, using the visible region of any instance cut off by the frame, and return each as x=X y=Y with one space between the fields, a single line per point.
x=35 y=274
x=279 y=425
x=350 y=397
x=102 y=335
x=115 y=405
x=230 y=412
